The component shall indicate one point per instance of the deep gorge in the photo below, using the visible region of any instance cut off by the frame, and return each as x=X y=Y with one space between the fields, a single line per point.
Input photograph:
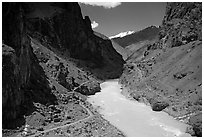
x=52 y=60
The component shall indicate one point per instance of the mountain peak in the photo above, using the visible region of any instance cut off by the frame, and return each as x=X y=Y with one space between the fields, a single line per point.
x=122 y=34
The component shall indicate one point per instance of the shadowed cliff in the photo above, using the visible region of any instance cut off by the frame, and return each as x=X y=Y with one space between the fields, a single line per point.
x=24 y=81
x=46 y=45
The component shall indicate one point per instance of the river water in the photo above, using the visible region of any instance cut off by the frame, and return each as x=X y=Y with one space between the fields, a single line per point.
x=134 y=119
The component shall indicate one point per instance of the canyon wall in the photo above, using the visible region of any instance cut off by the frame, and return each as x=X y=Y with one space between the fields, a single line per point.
x=168 y=73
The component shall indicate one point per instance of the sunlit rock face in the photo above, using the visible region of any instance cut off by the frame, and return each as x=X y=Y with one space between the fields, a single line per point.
x=182 y=24
x=167 y=73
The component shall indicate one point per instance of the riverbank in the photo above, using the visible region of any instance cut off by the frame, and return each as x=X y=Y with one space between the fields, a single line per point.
x=184 y=119
x=183 y=104
x=74 y=116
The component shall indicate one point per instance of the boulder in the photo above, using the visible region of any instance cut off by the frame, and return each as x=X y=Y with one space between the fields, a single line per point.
x=196 y=122
x=89 y=88
x=40 y=129
x=56 y=119
x=57 y=111
x=55 y=116
x=158 y=105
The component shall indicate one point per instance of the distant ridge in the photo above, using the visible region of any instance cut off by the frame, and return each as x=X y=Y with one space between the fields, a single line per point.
x=148 y=33
x=122 y=34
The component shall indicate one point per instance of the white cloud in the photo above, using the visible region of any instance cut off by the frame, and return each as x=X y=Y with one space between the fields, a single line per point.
x=106 y=5
x=94 y=24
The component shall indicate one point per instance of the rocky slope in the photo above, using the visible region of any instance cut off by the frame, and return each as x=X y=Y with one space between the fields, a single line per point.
x=122 y=51
x=135 y=41
x=48 y=49
x=148 y=33
x=167 y=73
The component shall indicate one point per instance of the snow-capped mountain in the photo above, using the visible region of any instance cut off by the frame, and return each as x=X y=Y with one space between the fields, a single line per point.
x=122 y=34
x=130 y=37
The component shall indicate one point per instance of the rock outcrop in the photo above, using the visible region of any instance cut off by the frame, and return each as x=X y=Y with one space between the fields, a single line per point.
x=167 y=73
x=182 y=24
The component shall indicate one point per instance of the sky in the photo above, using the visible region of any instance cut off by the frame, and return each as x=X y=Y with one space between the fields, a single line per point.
x=113 y=18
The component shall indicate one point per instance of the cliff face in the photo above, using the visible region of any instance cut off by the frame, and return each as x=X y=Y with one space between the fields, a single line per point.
x=167 y=74
x=43 y=46
x=182 y=24
x=67 y=31
x=23 y=78
x=10 y=91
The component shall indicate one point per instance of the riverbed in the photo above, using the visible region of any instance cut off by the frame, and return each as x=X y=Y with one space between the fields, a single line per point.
x=134 y=119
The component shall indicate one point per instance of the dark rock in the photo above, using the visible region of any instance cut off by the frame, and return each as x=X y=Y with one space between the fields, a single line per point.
x=24 y=79
x=12 y=98
x=40 y=129
x=89 y=89
x=69 y=117
x=44 y=123
x=196 y=122
x=158 y=105
x=57 y=111
x=190 y=130
x=88 y=23
x=180 y=75
x=136 y=97
x=56 y=119
x=52 y=107
x=48 y=119
x=55 y=116
x=68 y=122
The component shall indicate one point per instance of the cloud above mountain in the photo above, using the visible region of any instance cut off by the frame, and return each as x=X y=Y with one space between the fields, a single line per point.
x=106 y=5
x=94 y=24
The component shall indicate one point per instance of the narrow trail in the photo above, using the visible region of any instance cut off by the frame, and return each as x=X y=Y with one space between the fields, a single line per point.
x=66 y=125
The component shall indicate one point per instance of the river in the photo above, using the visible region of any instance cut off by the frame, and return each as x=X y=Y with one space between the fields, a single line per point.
x=134 y=119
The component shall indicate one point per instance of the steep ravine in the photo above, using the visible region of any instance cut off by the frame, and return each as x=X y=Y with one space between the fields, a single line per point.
x=52 y=60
